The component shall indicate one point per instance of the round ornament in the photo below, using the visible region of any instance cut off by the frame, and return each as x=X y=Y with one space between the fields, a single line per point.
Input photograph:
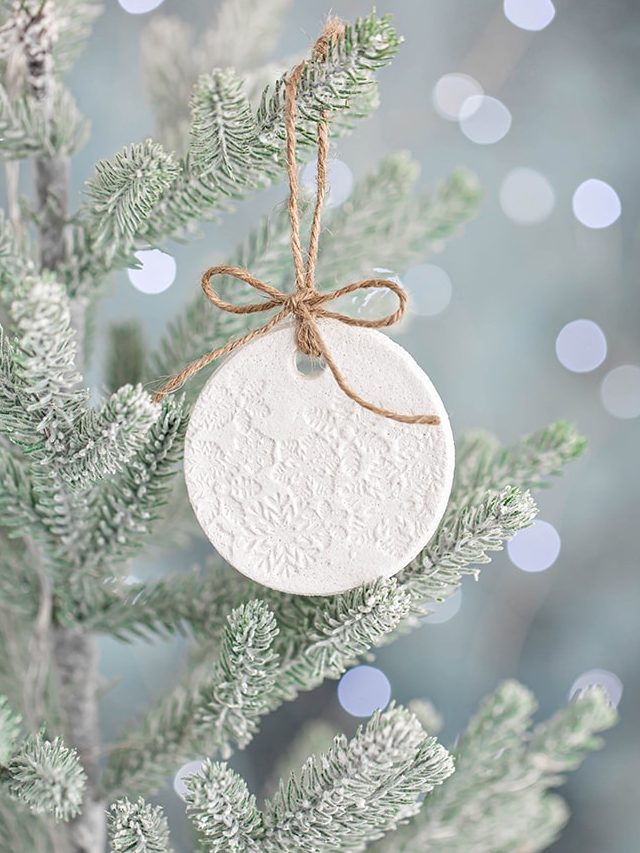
x=299 y=487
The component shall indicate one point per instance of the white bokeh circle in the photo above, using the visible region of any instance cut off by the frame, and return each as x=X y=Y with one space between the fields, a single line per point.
x=299 y=487
x=445 y=610
x=609 y=681
x=429 y=287
x=191 y=768
x=339 y=180
x=450 y=93
x=596 y=204
x=156 y=273
x=526 y=196
x=581 y=346
x=620 y=391
x=363 y=690
x=536 y=548
x=140 y=7
x=484 y=120
x=533 y=15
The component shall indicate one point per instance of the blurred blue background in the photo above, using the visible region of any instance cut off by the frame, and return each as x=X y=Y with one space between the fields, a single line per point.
x=571 y=92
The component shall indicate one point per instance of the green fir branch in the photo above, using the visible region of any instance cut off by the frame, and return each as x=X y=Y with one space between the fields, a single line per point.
x=125 y=507
x=44 y=373
x=498 y=798
x=26 y=132
x=137 y=828
x=483 y=464
x=15 y=261
x=463 y=543
x=222 y=131
x=222 y=810
x=220 y=708
x=73 y=21
x=46 y=776
x=332 y=85
x=124 y=191
x=104 y=441
x=357 y=791
x=561 y=743
x=384 y=224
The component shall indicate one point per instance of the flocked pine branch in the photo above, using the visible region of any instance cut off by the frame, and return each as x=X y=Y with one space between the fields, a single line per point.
x=15 y=262
x=223 y=811
x=223 y=131
x=137 y=828
x=339 y=800
x=386 y=220
x=26 y=133
x=45 y=776
x=242 y=35
x=139 y=195
x=358 y=790
x=68 y=23
x=218 y=710
x=125 y=506
x=499 y=797
x=124 y=191
x=483 y=464
x=104 y=441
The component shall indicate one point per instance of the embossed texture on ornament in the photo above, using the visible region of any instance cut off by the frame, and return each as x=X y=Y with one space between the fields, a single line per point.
x=299 y=487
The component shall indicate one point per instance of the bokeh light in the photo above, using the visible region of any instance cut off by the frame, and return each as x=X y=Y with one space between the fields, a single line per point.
x=371 y=303
x=526 y=196
x=139 y=7
x=191 y=768
x=484 y=119
x=450 y=93
x=157 y=273
x=620 y=391
x=581 y=346
x=429 y=287
x=339 y=180
x=445 y=610
x=531 y=15
x=609 y=682
x=535 y=548
x=596 y=204
x=363 y=690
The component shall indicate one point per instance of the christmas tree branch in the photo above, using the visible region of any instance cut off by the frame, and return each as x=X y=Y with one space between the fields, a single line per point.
x=43 y=775
x=483 y=464
x=218 y=710
x=174 y=56
x=386 y=220
x=169 y=196
x=358 y=790
x=137 y=828
x=498 y=798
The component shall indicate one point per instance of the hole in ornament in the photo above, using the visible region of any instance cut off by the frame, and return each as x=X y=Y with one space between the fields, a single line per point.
x=310 y=365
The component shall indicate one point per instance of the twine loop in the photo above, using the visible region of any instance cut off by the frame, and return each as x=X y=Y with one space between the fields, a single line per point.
x=305 y=304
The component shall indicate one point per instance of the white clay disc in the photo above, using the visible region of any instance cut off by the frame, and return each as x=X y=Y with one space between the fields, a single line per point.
x=300 y=488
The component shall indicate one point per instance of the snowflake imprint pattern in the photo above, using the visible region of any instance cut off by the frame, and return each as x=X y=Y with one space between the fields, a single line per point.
x=302 y=489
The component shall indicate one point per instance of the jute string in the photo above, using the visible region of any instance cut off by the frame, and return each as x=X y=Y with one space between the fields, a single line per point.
x=305 y=304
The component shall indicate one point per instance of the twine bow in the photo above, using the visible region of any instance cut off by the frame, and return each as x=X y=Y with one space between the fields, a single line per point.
x=305 y=304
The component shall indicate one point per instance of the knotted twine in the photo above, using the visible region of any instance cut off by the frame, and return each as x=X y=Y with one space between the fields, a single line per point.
x=305 y=304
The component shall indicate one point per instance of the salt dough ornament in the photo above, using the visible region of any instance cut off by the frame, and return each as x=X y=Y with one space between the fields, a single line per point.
x=300 y=488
